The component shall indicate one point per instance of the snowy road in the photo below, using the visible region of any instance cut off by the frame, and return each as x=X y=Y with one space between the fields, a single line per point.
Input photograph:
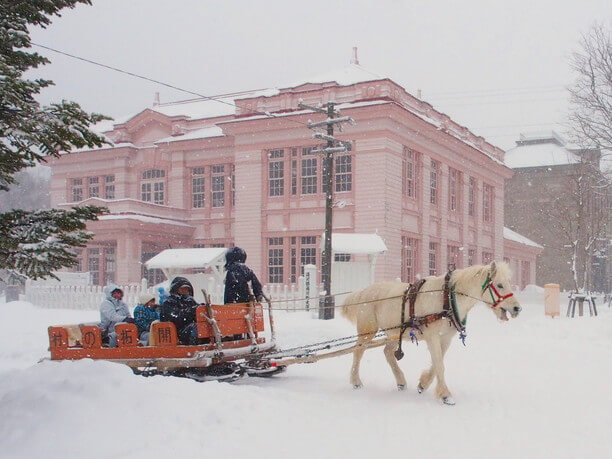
x=533 y=387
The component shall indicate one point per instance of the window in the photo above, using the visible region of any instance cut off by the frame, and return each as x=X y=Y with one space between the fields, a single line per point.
x=487 y=257
x=109 y=265
x=77 y=190
x=471 y=257
x=471 y=196
x=275 y=260
x=276 y=173
x=409 y=258
x=453 y=189
x=409 y=173
x=433 y=258
x=487 y=203
x=198 y=193
x=294 y=175
x=153 y=276
x=232 y=179
x=218 y=185
x=344 y=175
x=309 y=172
x=109 y=187
x=288 y=255
x=342 y=257
x=94 y=188
x=433 y=182
x=298 y=171
x=152 y=186
x=93 y=265
x=454 y=257
x=308 y=251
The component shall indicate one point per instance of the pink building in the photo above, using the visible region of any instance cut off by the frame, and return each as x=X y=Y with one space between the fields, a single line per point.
x=239 y=171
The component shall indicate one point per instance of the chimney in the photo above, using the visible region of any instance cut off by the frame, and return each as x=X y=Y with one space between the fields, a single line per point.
x=156 y=99
x=354 y=59
x=418 y=93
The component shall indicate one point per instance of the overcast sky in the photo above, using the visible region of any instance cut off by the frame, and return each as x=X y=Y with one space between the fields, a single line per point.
x=499 y=68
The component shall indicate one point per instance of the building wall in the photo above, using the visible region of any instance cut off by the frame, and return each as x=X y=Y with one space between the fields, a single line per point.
x=528 y=194
x=377 y=201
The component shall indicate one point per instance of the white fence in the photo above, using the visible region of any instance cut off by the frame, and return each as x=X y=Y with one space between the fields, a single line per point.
x=79 y=296
x=294 y=297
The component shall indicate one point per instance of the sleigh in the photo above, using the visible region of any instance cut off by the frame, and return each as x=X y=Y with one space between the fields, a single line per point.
x=233 y=339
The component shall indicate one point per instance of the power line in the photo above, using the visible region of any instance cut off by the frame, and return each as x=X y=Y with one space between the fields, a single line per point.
x=152 y=80
x=500 y=90
x=454 y=104
x=517 y=125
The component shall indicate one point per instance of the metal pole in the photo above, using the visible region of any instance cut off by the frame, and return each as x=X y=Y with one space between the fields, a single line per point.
x=326 y=304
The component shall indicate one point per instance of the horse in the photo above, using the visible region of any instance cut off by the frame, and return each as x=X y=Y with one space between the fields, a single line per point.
x=385 y=305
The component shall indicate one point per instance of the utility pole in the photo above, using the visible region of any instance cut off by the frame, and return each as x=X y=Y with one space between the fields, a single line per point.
x=326 y=302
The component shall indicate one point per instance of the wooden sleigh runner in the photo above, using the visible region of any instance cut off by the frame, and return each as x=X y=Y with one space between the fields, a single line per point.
x=232 y=339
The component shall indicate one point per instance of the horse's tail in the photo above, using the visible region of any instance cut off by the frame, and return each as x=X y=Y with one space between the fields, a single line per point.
x=349 y=307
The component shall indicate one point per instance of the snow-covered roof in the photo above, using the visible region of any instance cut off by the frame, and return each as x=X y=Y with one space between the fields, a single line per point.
x=142 y=218
x=516 y=237
x=351 y=74
x=187 y=258
x=357 y=243
x=539 y=154
x=203 y=133
x=212 y=107
x=343 y=106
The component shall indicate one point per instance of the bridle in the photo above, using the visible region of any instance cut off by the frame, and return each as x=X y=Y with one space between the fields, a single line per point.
x=488 y=285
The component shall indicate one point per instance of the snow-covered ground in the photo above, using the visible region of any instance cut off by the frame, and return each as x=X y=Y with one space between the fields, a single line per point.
x=532 y=387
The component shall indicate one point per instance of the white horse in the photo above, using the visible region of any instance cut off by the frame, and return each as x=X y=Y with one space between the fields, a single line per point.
x=379 y=307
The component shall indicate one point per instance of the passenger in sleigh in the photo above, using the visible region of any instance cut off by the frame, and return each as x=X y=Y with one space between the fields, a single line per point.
x=180 y=309
x=145 y=314
x=113 y=310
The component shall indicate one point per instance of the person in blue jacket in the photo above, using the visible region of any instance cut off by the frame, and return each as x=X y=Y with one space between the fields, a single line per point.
x=145 y=313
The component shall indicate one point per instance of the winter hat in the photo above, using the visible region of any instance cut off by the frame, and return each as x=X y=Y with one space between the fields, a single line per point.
x=145 y=298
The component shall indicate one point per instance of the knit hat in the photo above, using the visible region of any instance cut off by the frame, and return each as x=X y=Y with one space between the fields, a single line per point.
x=145 y=298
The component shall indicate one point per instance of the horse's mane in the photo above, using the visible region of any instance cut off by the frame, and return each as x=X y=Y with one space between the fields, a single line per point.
x=467 y=275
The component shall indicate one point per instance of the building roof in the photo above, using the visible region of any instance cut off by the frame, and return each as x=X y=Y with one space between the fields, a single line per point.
x=516 y=237
x=345 y=76
x=211 y=107
x=143 y=218
x=540 y=149
x=203 y=133
x=187 y=258
x=357 y=243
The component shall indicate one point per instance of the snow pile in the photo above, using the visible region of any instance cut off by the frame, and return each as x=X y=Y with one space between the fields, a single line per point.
x=532 y=387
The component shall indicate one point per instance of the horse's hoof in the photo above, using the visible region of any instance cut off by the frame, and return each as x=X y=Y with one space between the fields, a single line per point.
x=401 y=387
x=448 y=400
x=420 y=389
x=357 y=386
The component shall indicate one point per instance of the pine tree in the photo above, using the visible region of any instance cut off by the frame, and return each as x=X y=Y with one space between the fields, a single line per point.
x=35 y=243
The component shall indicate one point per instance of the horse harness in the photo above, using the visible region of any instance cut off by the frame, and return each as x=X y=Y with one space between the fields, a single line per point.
x=449 y=310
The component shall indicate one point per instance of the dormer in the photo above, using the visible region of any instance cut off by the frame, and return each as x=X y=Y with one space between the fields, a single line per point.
x=146 y=127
